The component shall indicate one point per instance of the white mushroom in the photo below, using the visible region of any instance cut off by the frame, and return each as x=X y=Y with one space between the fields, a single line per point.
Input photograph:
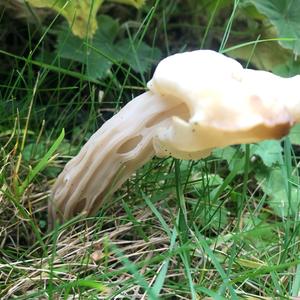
x=197 y=101
x=227 y=104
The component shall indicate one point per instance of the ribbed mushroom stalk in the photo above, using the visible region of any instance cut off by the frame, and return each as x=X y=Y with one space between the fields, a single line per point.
x=111 y=155
x=197 y=101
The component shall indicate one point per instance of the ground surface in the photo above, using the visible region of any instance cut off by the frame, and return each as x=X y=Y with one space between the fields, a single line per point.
x=225 y=227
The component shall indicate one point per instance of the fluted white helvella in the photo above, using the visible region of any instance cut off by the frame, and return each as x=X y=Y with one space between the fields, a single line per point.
x=197 y=101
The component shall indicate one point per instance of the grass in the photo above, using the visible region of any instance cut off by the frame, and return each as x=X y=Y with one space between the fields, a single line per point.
x=177 y=229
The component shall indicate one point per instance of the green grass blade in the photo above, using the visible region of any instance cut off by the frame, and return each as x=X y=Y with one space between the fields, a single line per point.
x=159 y=282
x=203 y=244
x=42 y=164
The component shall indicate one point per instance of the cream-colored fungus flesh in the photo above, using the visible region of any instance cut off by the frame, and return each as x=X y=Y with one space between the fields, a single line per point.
x=197 y=101
x=227 y=104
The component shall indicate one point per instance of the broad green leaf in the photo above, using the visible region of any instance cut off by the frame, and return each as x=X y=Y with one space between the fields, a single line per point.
x=98 y=54
x=33 y=151
x=250 y=11
x=273 y=184
x=290 y=68
x=285 y=16
x=269 y=151
x=233 y=156
x=138 y=55
x=102 y=51
x=80 y=14
x=264 y=56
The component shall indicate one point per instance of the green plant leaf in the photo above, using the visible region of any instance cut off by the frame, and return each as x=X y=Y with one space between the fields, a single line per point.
x=269 y=151
x=233 y=156
x=265 y=56
x=288 y=69
x=138 y=55
x=285 y=16
x=102 y=51
x=274 y=185
x=97 y=62
x=33 y=151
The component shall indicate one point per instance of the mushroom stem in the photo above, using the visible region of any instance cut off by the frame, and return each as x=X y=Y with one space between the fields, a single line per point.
x=122 y=145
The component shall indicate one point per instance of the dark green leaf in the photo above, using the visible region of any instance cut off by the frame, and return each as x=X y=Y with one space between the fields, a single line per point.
x=33 y=151
x=97 y=54
x=269 y=151
x=274 y=185
x=138 y=55
x=288 y=69
x=100 y=53
x=285 y=16
x=233 y=156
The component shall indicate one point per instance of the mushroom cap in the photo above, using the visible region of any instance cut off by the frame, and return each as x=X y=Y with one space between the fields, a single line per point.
x=271 y=86
x=227 y=104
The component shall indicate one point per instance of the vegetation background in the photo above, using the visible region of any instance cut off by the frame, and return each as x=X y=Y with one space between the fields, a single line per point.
x=225 y=227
